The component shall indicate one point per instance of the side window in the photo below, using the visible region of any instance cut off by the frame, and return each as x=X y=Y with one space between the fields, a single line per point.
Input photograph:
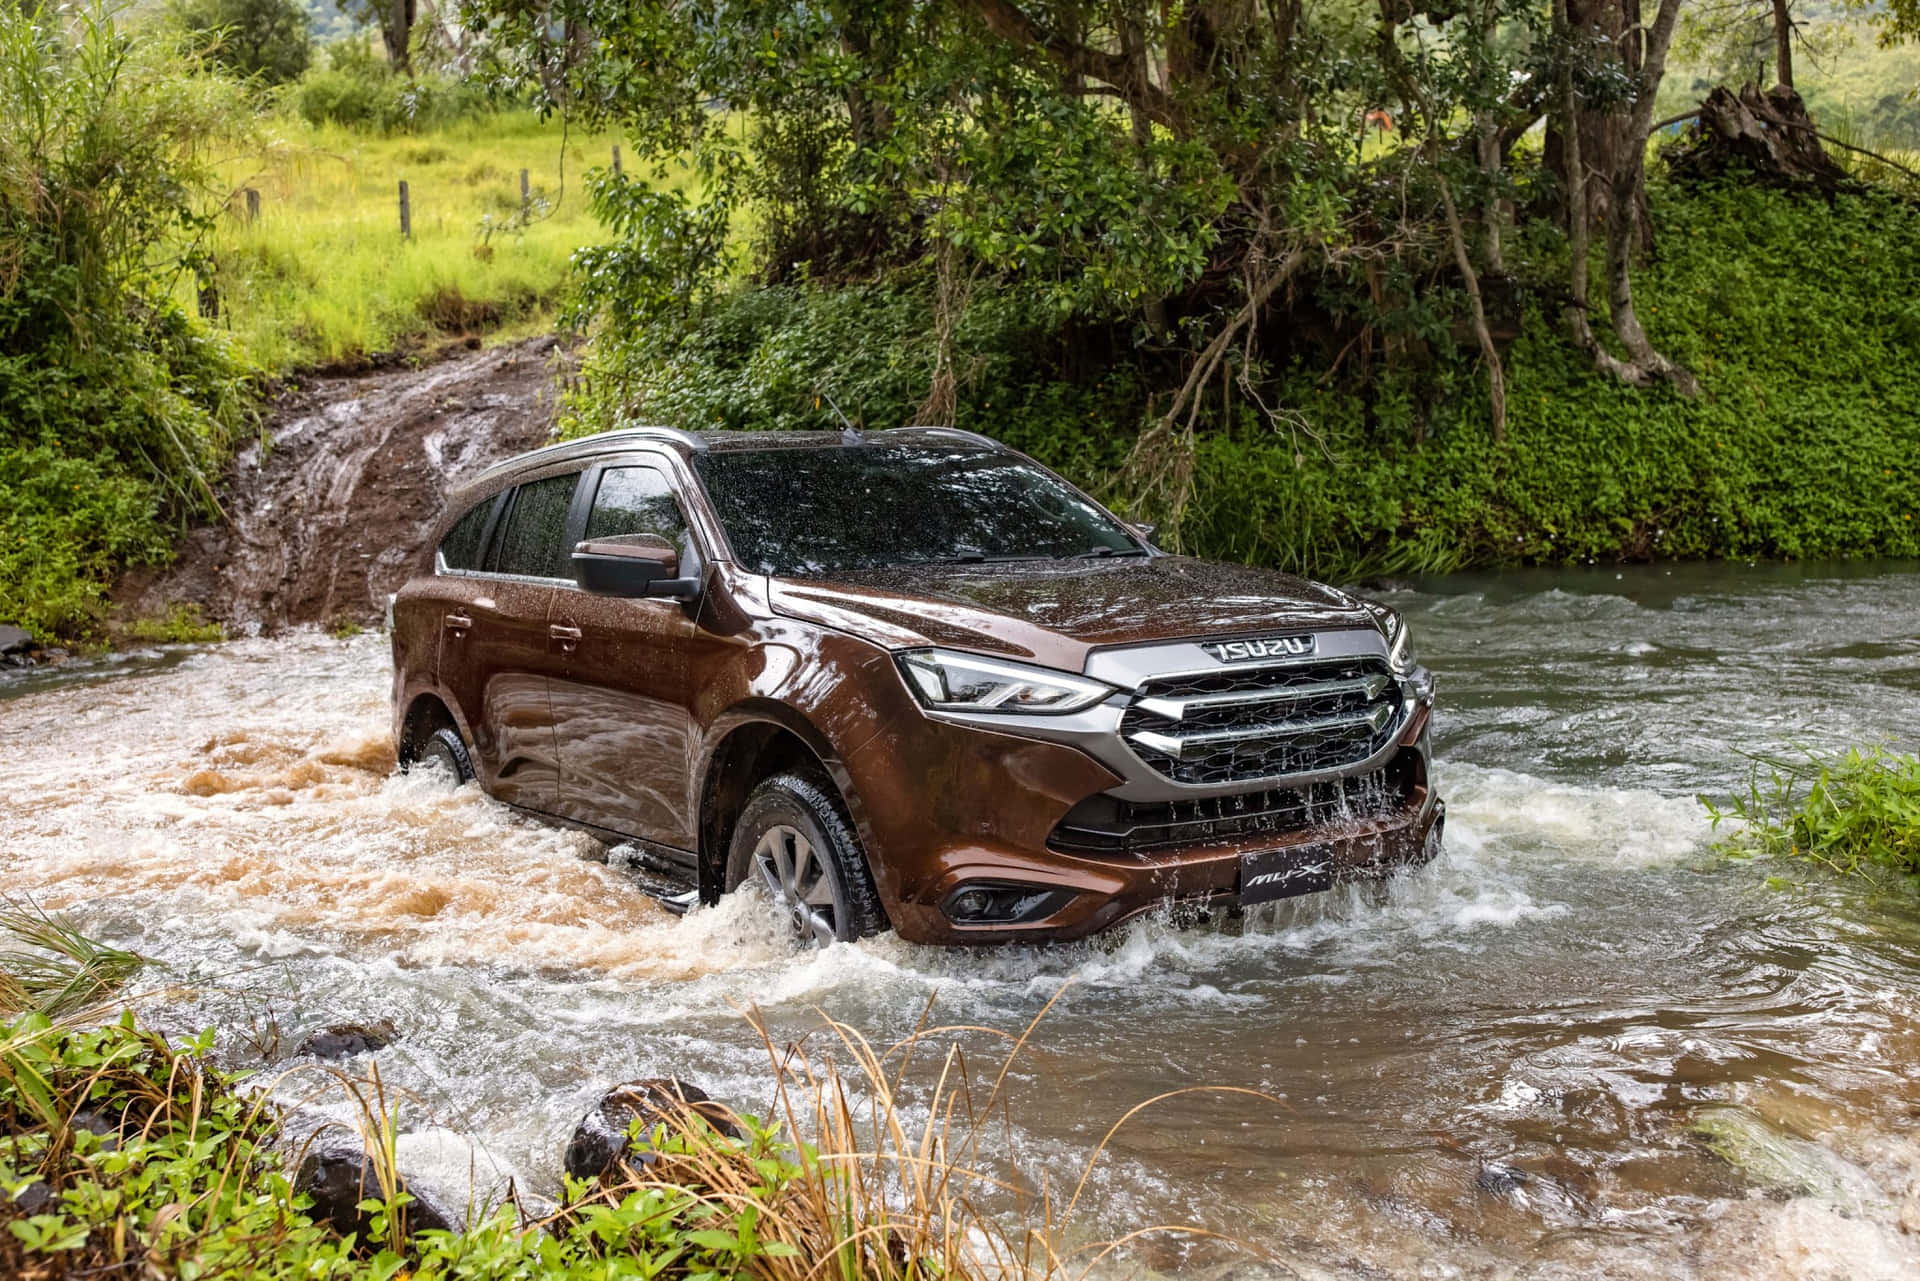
x=635 y=500
x=534 y=542
x=460 y=549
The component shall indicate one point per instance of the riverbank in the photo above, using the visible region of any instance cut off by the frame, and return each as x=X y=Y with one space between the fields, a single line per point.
x=330 y=510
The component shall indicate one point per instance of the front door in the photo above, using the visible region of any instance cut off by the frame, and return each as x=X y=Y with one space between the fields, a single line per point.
x=496 y=653
x=621 y=702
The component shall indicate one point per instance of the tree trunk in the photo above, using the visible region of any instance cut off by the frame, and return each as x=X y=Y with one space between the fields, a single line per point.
x=396 y=32
x=1496 y=375
x=1768 y=136
x=1783 y=41
x=1624 y=178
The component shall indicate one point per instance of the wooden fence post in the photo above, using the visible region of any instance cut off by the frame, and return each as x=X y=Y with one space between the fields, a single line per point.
x=253 y=205
x=616 y=161
x=206 y=290
x=526 y=197
x=406 y=213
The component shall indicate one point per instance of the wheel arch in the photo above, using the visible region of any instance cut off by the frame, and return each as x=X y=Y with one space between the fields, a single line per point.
x=427 y=713
x=752 y=742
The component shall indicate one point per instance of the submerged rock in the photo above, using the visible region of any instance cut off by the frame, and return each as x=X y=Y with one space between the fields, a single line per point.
x=1782 y=1164
x=339 y=1177
x=344 y=1040
x=600 y=1139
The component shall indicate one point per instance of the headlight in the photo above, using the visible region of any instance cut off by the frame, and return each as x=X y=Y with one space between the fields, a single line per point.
x=1399 y=640
x=953 y=682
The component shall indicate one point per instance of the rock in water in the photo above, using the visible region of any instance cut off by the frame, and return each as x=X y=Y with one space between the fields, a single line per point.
x=339 y=1178
x=344 y=1040
x=600 y=1140
x=15 y=640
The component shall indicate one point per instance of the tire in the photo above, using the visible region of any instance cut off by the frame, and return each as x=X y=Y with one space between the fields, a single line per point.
x=445 y=754
x=793 y=838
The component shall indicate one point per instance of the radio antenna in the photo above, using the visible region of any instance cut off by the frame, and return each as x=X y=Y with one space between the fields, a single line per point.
x=821 y=394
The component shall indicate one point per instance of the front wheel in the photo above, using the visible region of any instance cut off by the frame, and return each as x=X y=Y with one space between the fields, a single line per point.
x=445 y=754
x=794 y=841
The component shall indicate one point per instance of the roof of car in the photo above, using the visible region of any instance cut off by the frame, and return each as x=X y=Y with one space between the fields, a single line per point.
x=700 y=442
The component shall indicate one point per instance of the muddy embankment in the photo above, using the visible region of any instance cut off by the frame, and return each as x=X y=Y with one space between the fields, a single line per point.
x=330 y=511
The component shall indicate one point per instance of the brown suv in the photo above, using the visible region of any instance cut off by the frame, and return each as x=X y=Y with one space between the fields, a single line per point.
x=904 y=678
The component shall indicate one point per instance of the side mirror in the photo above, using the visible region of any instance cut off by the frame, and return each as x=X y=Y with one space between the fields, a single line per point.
x=632 y=565
x=1142 y=528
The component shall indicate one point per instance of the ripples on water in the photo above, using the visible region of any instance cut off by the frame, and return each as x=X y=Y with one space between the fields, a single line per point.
x=1529 y=1059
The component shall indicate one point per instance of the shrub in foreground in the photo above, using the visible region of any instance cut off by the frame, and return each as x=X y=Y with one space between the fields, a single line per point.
x=121 y=1154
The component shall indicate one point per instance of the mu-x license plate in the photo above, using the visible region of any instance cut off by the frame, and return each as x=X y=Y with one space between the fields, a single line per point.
x=1270 y=874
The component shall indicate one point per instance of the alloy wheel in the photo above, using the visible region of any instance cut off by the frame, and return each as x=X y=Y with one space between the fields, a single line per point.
x=794 y=874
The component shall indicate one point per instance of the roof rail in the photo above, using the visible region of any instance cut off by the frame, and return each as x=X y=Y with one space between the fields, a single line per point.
x=959 y=433
x=674 y=434
x=579 y=443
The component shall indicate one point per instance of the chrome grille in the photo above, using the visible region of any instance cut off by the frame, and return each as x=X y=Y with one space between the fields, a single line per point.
x=1241 y=724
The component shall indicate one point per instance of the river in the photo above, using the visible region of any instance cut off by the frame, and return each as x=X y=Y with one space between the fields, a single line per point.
x=1580 y=1044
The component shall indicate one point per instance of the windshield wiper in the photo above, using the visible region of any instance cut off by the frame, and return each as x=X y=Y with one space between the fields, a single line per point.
x=976 y=558
x=1101 y=553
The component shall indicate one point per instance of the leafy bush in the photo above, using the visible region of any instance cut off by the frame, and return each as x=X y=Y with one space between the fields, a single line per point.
x=115 y=408
x=358 y=90
x=1858 y=814
x=271 y=40
x=1797 y=316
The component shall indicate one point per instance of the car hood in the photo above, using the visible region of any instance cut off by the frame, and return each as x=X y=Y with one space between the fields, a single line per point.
x=1053 y=612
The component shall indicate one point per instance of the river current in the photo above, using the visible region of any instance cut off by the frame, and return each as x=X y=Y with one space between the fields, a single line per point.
x=1579 y=1044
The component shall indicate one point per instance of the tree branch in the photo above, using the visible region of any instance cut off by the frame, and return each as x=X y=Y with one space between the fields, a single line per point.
x=1011 y=23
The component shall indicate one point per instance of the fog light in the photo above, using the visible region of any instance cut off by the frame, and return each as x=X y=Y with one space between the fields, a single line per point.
x=985 y=903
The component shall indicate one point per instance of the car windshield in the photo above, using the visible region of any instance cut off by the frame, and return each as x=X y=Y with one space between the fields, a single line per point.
x=806 y=512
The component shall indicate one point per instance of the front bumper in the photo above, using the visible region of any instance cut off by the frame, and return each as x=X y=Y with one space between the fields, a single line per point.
x=949 y=807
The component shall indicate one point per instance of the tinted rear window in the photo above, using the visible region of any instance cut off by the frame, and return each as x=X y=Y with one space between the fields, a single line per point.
x=460 y=549
x=535 y=538
x=807 y=512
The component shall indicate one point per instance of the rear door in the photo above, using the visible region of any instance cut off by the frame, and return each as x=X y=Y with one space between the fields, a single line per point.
x=496 y=656
x=621 y=702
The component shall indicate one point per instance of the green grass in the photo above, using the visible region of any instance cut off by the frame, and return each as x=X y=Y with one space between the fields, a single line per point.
x=324 y=277
x=184 y=624
x=1857 y=814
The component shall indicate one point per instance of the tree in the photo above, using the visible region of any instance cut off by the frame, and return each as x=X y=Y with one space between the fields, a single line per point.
x=268 y=39
x=396 y=19
x=1198 y=174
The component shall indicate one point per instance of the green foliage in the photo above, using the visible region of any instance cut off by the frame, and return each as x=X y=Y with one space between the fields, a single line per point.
x=184 y=624
x=271 y=40
x=1858 y=814
x=187 y=1182
x=115 y=408
x=1797 y=314
x=359 y=90
x=52 y=968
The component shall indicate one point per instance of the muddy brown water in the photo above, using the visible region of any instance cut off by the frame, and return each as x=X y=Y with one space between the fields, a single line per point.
x=1578 y=1045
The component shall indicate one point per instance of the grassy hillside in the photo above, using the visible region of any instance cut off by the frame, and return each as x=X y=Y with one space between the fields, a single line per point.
x=324 y=276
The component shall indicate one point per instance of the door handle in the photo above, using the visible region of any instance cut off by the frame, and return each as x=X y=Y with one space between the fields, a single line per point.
x=567 y=636
x=458 y=622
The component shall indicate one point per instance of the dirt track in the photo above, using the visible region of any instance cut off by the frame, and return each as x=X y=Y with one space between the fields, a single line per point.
x=329 y=517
